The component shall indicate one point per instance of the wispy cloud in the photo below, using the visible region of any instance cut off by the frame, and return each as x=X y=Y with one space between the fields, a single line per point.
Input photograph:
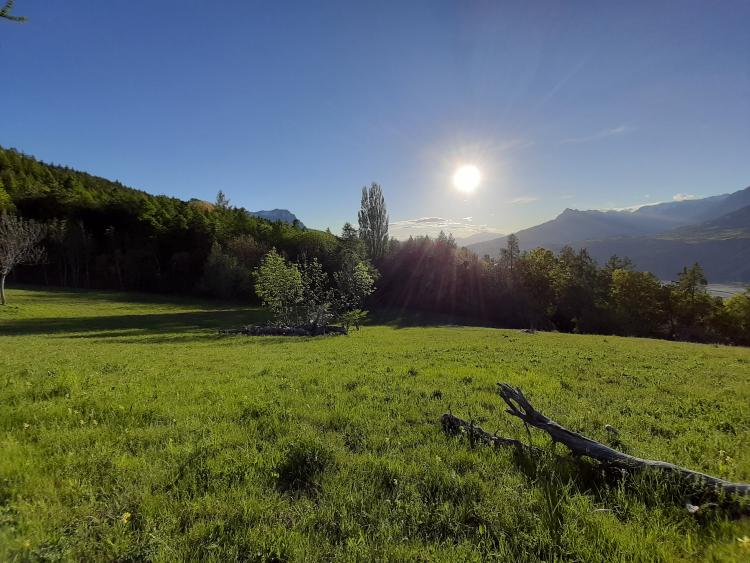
x=514 y=144
x=636 y=207
x=626 y=208
x=432 y=225
x=429 y=223
x=605 y=133
x=682 y=197
x=428 y=220
x=523 y=200
x=563 y=81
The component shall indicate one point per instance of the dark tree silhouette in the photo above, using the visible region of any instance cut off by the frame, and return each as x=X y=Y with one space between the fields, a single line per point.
x=5 y=12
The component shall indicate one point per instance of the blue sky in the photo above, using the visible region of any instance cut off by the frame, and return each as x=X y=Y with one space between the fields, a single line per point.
x=299 y=104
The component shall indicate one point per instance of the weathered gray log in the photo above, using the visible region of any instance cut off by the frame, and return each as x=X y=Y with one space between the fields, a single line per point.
x=580 y=445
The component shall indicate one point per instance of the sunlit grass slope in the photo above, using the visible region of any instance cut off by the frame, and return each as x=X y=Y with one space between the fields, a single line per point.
x=130 y=431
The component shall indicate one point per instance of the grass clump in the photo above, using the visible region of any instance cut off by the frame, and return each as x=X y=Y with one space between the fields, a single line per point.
x=301 y=466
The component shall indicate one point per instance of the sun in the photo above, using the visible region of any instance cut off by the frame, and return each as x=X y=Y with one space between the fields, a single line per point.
x=467 y=178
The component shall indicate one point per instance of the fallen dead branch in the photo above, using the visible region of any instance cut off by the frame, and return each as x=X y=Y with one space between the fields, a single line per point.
x=454 y=425
x=579 y=445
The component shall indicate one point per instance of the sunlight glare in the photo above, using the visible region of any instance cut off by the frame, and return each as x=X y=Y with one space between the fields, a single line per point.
x=467 y=178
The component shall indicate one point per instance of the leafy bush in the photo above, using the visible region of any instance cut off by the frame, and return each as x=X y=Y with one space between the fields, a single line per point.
x=301 y=293
x=279 y=286
x=353 y=318
x=315 y=308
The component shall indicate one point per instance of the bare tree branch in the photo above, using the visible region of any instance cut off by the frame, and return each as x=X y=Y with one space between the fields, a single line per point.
x=5 y=13
x=453 y=425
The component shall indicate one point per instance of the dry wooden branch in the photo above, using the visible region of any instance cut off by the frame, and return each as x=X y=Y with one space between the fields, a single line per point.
x=579 y=445
x=454 y=425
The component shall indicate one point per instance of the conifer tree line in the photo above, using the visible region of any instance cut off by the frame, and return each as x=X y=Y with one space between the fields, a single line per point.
x=100 y=234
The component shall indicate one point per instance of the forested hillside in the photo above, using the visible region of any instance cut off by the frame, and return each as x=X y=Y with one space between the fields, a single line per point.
x=106 y=235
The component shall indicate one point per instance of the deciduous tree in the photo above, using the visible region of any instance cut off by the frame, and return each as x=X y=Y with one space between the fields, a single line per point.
x=279 y=286
x=354 y=283
x=19 y=244
x=315 y=304
x=635 y=300
x=737 y=315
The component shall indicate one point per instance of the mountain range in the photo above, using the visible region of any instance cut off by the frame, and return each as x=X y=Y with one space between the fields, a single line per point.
x=660 y=238
x=481 y=236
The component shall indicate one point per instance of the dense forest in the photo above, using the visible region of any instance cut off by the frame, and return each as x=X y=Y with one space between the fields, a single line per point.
x=102 y=234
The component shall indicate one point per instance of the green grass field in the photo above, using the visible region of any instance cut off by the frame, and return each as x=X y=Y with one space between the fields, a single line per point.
x=130 y=431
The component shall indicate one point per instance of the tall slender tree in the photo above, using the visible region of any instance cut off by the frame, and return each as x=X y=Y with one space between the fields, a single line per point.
x=692 y=281
x=511 y=254
x=693 y=302
x=373 y=222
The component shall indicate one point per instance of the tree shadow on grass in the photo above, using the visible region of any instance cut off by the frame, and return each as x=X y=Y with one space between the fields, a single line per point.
x=408 y=318
x=133 y=325
x=192 y=337
x=50 y=294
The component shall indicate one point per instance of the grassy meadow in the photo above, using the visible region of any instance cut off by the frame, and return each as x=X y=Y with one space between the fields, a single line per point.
x=130 y=431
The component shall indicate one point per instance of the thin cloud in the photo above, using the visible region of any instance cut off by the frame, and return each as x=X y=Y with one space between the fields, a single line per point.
x=675 y=198
x=524 y=200
x=612 y=132
x=514 y=144
x=682 y=197
x=564 y=80
x=427 y=220
x=432 y=225
x=626 y=208
x=426 y=223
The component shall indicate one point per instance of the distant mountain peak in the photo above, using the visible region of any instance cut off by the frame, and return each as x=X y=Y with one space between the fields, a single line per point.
x=283 y=215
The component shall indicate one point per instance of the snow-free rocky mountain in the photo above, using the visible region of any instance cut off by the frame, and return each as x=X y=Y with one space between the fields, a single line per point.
x=660 y=238
x=283 y=215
